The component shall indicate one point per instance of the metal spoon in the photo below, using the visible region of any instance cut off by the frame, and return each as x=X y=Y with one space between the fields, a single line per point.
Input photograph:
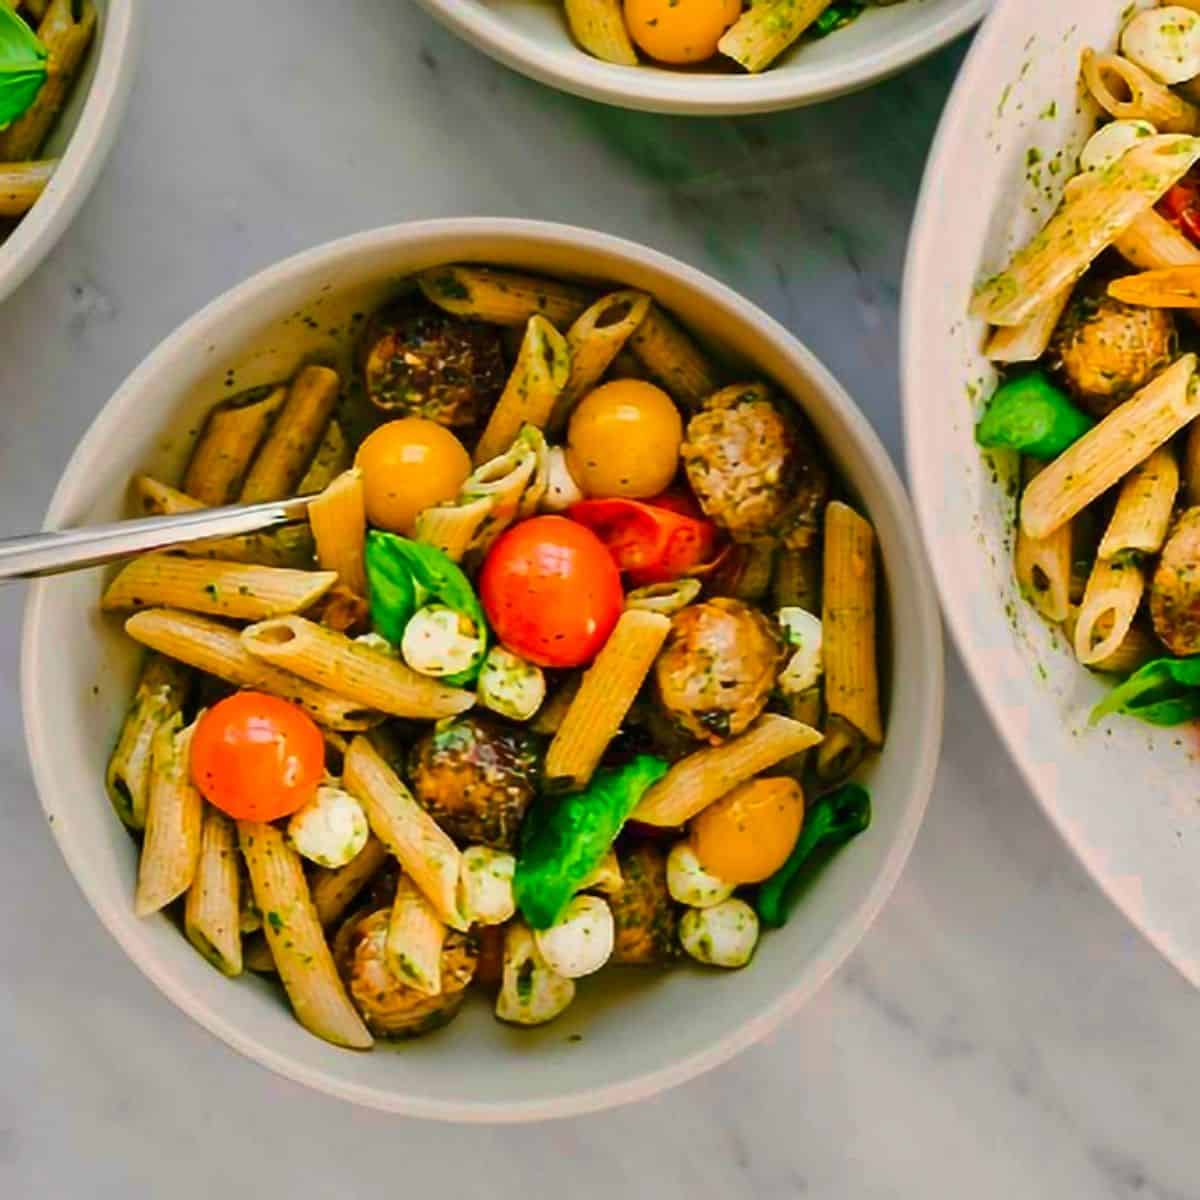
x=35 y=554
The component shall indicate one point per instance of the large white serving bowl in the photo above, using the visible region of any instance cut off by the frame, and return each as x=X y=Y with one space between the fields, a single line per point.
x=638 y=1032
x=532 y=37
x=1125 y=795
x=82 y=138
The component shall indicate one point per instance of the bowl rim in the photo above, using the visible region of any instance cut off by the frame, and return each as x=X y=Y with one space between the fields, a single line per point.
x=920 y=279
x=120 y=409
x=91 y=140
x=681 y=92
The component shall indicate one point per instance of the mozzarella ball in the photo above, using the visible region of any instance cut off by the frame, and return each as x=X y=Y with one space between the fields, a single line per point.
x=485 y=891
x=1110 y=143
x=561 y=489
x=688 y=881
x=1164 y=42
x=509 y=685
x=438 y=641
x=722 y=936
x=530 y=992
x=330 y=829
x=582 y=940
x=802 y=630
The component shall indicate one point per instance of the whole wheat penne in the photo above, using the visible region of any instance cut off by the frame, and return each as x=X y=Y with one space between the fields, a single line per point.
x=1088 y=221
x=21 y=184
x=1028 y=341
x=599 y=27
x=797 y=578
x=503 y=297
x=334 y=455
x=762 y=33
x=242 y=591
x=665 y=598
x=292 y=442
x=541 y=372
x=426 y=853
x=297 y=941
x=807 y=707
x=338 y=519
x=595 y=338
x=227 y=443
x=289 y=546
x=848 y=622
x=174 y=812
x=415 y=937
x=1110 y=602
x=1128 y=93
x=217 y=650
x=211 y=915
x=672 y=359
x=693 y=783
x=373 y=678
x=1111 y=449
x=160 y=694
x=66 y=31
x=1143 y=510
x=610 y=686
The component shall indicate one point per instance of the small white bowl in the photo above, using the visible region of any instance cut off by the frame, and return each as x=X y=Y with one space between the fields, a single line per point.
x=82 y=138
x=532 y=37
x=78 y=671
x=1122 y=795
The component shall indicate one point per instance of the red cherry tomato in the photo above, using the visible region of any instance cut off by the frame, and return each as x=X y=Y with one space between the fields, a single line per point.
x=551 y=591
x=1181 y=206
x=257 y=757
x=653 y=541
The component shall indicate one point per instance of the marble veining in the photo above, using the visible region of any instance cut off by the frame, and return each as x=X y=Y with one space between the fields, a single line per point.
x=1002 y=1032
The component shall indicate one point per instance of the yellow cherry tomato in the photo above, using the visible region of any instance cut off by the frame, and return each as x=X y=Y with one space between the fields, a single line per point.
x=680 y=31
x=747 y=835
x=623 y=440
x=408 y=465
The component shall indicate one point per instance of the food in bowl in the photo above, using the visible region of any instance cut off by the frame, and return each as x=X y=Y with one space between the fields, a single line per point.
x=43 y=46
x=564 y=713
x=686 y=32
x=1094 y=330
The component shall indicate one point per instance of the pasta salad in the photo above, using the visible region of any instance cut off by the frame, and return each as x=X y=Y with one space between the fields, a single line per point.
x=1094 y=331
x=570 y=665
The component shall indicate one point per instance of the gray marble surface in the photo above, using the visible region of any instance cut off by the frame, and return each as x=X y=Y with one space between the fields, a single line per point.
x=1000 y=1033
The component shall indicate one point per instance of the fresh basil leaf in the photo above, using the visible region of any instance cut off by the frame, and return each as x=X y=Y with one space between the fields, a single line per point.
x=1163 y=692
x=22 y=66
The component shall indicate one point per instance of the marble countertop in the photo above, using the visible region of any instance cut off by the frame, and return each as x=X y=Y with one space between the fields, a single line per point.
x=1001 y=1032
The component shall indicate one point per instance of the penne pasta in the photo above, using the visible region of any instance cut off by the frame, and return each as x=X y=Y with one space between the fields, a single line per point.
x=227 y=443
x=1028 y=341
x=297 y=942
x=1143 y=510
x=1166 y=287
x=292 y=442
x=1152 y=242
x=334 y=455
x=66 y=30
x=161 y=693
x=503 y=297
x=764 y=31
x=599 y=27
x=672 y=359
x=541 y=372
x=212 y=912
x=1089 y=220
x=338 y=520
x=594 y=340
x=1110 y=602
x=848 y=623
x=373 y=678
x=217 y=650
x=21 y=183
x=1111 y=449
x=426 y=853
x=610 y=686
x=242 y=591
x=174 y=813
x=550 y=716
x=1043 y=566
x=1128 y=93
x=797 y=578
x=415 y=937
x=693 y=783
x=1191 y=464
x=1138 y=648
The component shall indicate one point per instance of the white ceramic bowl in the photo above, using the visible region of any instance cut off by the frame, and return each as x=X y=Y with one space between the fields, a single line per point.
x=82 y=137
x=532 y=37
x=633 y=1040
x=1124 y=797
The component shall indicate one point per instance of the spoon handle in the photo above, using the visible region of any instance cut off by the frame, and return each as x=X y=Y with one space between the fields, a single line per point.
x=35 y=554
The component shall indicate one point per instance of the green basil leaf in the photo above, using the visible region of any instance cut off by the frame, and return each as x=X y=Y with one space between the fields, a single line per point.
x=22 y=66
